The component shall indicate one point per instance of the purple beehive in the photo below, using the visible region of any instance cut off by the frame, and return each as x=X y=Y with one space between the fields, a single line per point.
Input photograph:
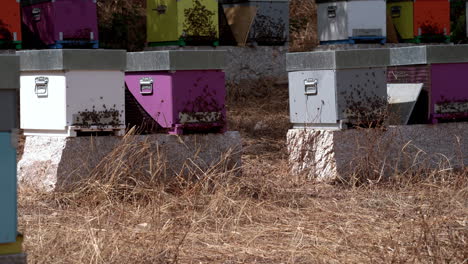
x=59 y=23
x=441 y=69
x=182 y=91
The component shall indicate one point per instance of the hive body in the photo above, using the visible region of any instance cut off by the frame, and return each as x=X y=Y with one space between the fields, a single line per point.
x=331 y=89
x=351 y=21
x=10 y=24
x=60 y=23
x=182 y=21
x=431 y=19
x=401 y=13
x=178 y=90
x=441 y=69
x=72 y=91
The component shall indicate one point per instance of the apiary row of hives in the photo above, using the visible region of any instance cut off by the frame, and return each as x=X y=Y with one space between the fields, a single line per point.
x=67 y=93
x=370 y=87
x=357 y=21
x=70 y=23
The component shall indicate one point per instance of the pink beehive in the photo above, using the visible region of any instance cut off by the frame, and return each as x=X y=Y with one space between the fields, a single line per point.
x=182 y=91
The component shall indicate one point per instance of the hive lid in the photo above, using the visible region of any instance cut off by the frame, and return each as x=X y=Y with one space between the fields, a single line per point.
x=9 y=72
x=429 y=54
x=34 y=2
x=172 y=60
x=337 y=59
x=73 y=59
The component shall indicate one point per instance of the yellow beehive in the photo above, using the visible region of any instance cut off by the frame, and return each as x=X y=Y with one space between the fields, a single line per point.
x=182 y=21
x=401 y=13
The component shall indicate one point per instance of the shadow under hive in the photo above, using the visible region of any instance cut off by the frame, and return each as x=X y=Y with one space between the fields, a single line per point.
x=135 y=115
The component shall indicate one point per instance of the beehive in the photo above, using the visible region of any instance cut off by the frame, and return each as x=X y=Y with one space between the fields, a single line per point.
x=270 y=25
x=181 y=90
x=60 y=23
x=334 y=89
x=10 y=24
x=401 y=12
x=431 y=20
x=9 y=84
x=351 y=21
x=64 y=92
x=181 y=22
x=441 y=69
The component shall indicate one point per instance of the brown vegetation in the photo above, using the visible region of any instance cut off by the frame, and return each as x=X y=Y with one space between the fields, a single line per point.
x=264 y=215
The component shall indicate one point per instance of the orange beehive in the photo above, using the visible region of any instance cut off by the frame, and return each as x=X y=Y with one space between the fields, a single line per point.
x=431 y=17
x=10 y=22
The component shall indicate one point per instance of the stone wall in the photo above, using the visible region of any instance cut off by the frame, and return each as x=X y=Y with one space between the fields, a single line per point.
x=248 y=62
x=51 y=163
x=327 y=155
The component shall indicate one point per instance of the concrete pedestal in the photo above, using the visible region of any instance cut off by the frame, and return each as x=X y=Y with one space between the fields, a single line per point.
x=52 y=163
x=326 y=155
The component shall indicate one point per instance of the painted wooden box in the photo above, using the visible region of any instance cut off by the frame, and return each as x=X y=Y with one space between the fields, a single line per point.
x=441 y=69
x=9 y=84
x=183 y=91
x=69 y=92
x=10 y=24
x=181 y=22
x=431 y=20
x=401 y=12
x=351 y=21
x=337 y=89
x=60 y=23
x=269 y=26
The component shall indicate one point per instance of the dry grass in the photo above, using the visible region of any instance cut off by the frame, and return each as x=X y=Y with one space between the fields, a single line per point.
x=264 y=216
x=303 y=29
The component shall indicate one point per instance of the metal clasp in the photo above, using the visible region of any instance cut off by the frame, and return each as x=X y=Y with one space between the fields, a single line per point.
x=146 y=86
x=42 y=84
x=36 y=13
x=311 y=86
x=331 y=11
x=396 y=11
x=161 y=9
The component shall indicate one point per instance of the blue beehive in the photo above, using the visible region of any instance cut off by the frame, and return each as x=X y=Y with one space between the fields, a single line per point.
x=9 y=85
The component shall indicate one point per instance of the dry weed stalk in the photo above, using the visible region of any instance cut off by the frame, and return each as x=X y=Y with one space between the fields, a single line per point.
x=263 y=215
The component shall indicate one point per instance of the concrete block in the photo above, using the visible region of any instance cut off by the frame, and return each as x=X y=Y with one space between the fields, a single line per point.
x=13 y=259
x=53 y=163
x=326 y=155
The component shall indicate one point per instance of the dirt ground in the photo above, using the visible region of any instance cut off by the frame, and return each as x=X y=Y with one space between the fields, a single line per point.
x=264 y=215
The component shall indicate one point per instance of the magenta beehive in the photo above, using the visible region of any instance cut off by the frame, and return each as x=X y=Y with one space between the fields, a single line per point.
x=60 y=23
x=442 y=69
x=181 y=91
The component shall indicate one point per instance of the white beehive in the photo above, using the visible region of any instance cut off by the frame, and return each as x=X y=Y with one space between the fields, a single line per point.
x=350 y=21
x=68 y=91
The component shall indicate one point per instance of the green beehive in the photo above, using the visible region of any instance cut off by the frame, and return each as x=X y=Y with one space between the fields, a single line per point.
x=401 y=12
x=181 y=22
